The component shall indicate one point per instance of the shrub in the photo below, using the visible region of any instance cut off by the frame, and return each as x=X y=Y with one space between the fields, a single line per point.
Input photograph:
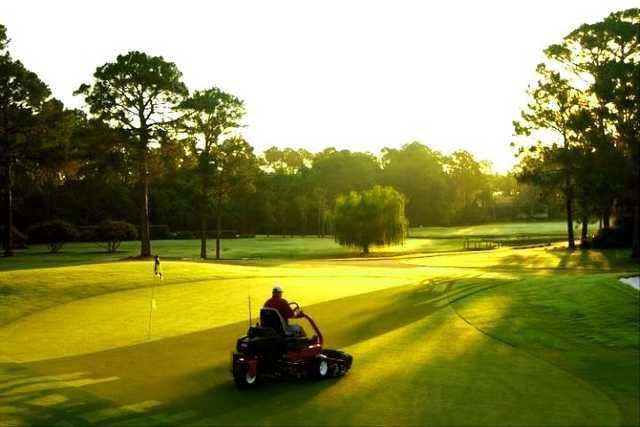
x=112 y=233
x=183 y=235
x=88 y=233
x=54 y=233
x=227 y=234
x=224 y=234
x=19 y=239
x=159 y=232
x=608 y=238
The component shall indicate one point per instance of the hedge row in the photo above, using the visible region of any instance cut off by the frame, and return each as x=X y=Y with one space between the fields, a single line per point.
x=57 y=232
x=109 y=233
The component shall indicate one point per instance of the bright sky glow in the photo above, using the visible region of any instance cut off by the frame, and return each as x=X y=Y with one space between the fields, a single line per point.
x=359 y=75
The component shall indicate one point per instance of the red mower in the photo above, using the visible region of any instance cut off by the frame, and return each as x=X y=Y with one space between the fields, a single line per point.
x=275 y=349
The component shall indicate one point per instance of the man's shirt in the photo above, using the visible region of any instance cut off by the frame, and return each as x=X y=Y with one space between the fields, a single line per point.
x=281 y=305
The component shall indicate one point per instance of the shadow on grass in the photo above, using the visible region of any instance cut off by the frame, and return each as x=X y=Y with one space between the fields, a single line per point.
x=561 y=260
x=414 y=364
x=23 y=260
x=190 y=375
x=30 y=398
x=586 y=325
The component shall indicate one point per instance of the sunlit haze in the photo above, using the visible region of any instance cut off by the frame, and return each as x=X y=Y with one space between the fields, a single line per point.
x=359 y=75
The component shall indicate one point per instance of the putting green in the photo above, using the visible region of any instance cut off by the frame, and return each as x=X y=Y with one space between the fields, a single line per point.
x=176 y=307
x=507 y=337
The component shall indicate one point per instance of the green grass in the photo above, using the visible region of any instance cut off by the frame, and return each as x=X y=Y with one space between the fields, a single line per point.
x=534 y=336
x=259 y=248
x=423 y=240
x=567 y=322
x=494 y=230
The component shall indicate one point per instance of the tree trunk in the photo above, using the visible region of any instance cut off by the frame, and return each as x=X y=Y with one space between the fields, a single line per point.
x=635 y=243
x=606 y=218
x=218 y=231
x=8 y=224
x=203 y=235
x=635 y=236
x=569 y=206
x=145 y=240
x=584 y=234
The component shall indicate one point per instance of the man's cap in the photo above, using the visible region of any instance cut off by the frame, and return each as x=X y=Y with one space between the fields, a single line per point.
x=277 y=288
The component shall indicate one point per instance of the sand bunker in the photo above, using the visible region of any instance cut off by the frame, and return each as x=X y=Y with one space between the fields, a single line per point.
x=632 y=281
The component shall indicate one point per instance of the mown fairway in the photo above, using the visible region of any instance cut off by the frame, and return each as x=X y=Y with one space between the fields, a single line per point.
x=261 y=247
x=530 y=336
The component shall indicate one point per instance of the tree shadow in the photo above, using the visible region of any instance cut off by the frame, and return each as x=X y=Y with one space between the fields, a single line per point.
x=184 y=372
x=467 y=375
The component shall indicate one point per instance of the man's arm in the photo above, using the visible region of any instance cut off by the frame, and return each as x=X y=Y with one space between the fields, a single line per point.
x=285 y=310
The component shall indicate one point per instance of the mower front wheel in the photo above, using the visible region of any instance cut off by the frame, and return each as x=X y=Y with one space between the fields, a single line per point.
x=243 y=378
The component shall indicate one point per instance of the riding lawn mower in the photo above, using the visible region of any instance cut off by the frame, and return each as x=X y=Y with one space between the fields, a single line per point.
x=274 y=349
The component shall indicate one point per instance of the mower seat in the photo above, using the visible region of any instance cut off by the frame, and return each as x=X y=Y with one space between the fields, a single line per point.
x=271 y=318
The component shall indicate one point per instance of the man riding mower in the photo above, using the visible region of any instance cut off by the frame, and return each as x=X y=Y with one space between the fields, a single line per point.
x=273 y=348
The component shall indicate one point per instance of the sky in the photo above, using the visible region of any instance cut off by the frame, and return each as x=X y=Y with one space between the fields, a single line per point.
x=357 y=75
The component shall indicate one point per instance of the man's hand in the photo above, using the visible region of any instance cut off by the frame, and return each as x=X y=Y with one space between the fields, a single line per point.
x=300 y=314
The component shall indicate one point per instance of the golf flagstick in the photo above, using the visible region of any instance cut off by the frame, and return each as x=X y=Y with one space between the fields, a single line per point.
x=152 y=306
x=249 y=298
x=157 y=272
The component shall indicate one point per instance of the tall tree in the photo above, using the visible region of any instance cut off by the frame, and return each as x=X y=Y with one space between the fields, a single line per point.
x=287 y=160
x=138 y=93
x=22 y=95
x=225 y=162
x=418 y=172
x=468 y=182
x=4 y=39
x=553 y=108
x=340 y=171
x=622 y=89
x=606 y=55
x=291 y=194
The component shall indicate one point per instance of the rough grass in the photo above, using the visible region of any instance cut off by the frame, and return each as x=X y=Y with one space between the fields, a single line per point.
x=534 y=336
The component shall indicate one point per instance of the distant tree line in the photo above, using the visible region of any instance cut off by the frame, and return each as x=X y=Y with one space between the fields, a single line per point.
x=149 y=151
x=582 y=127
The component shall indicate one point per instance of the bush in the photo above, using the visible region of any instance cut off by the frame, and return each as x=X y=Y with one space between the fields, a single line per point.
x=183 y=235
x=54 y=233
x=227 y=234
x=159 y=232
x=88 y=233
x=19 y=239
x=619 y=237
x=224 y=234
x=115 y=232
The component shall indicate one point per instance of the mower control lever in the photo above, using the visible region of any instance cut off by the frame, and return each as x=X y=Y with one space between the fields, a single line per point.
x=297 y=311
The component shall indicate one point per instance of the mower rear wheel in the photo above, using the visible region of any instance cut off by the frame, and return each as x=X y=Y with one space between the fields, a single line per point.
x=320 y=368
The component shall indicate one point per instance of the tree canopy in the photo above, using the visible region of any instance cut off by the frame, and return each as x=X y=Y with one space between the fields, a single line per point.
x=22 y=96
x=149 y=153
x=137 y=92
x=368 y=218
x=589 y=95
x=225 y=162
